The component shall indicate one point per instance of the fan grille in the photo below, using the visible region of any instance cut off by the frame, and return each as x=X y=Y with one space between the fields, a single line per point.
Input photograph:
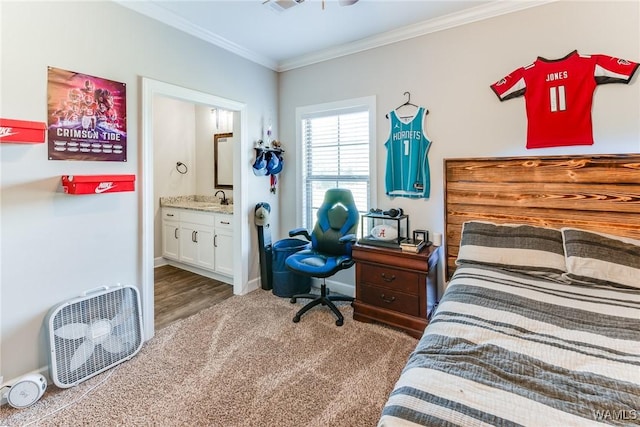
x=117 y=309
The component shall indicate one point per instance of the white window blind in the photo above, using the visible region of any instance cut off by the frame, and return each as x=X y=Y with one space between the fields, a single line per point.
x=335 y=154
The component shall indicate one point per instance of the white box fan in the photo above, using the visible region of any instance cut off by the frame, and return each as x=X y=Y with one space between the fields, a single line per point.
x=92 y=333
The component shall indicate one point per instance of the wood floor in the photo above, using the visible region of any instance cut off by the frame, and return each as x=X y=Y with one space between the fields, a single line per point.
x=179 y=294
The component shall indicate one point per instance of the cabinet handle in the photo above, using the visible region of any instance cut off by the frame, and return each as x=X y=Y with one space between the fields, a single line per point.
x=388 y=300
x=194 y=236
x=169 y=214
x=175 y=233
x=225 y=222
x=215 y=240
x=388 y=278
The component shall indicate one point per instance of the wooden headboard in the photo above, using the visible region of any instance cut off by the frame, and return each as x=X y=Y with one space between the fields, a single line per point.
x=593 y=192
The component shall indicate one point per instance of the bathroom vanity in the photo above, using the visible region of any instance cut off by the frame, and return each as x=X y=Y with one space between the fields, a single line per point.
x=198 y=233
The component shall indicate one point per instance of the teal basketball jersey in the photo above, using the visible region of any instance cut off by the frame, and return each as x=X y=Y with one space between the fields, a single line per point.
x=407 y=172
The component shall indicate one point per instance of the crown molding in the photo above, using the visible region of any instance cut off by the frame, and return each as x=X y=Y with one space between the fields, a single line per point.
x=479 y=13
x=169 y=18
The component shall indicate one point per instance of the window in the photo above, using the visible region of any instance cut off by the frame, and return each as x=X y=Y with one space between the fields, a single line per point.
x=336 y=141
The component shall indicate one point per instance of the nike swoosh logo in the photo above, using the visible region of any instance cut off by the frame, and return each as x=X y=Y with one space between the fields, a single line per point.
x=4 y=133
x=104 y=186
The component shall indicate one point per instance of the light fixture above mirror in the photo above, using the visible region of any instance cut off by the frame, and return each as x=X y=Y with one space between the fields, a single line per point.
x=222 y=120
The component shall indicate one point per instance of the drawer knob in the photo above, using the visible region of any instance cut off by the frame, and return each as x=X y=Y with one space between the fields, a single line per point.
x=388 y=278
x=388 y=300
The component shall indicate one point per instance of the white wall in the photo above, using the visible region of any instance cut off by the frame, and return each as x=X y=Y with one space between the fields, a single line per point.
x=449 y=72
x=55 y=246
x=174 y=130
x=174 y=140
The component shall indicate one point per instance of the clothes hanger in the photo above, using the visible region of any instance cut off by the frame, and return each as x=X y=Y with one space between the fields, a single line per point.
x=407 y=102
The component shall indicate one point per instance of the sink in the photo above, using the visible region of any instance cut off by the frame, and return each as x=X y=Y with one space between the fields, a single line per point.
x=214 y=206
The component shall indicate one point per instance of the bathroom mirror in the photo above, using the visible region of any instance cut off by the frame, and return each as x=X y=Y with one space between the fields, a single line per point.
x=223 y=160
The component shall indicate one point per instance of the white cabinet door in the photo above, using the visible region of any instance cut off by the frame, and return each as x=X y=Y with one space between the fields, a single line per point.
x=224 y=251
x=188 y=246
x=205 y=251
x=171 y=239
x=196 y=245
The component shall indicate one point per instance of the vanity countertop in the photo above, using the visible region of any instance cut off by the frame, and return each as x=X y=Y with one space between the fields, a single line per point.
x=196 y=203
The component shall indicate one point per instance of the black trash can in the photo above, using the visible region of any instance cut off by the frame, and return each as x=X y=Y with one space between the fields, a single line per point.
x=285 y=282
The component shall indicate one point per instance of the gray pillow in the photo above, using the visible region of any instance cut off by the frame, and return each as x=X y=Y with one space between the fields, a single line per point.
x=601 y=258
x=513 y=246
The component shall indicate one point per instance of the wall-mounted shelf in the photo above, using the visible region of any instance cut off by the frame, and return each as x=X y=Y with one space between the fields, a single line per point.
x=22 y=131
x=97 y=184
x=268 y=150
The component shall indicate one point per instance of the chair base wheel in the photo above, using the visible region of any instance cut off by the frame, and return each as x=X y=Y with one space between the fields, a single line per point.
x=292 y=300
x=323 y=299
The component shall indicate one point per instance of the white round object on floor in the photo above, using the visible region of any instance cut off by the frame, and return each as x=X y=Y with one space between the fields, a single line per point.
x=26 y=391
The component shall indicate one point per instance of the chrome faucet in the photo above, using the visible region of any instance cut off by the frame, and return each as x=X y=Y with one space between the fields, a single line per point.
x=224 y=200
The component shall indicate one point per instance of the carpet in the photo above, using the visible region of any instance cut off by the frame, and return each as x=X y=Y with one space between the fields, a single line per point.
x=242 y=362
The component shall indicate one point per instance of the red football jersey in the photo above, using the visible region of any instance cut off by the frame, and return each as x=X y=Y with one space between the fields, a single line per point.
x=559 y=93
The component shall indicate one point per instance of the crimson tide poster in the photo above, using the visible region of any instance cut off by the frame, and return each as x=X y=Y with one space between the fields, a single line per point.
x=87 y=117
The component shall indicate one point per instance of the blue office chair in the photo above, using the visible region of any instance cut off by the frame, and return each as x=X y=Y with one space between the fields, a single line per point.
x=331 y=240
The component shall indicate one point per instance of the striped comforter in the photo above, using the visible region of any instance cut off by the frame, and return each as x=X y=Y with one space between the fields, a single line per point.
x=513 y=349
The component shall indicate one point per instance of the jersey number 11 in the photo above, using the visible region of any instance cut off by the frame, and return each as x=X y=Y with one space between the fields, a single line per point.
x=557 y=99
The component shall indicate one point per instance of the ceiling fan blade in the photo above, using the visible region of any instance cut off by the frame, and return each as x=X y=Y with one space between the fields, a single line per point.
x=347 y=2
x=72 y=331
x=81 y=355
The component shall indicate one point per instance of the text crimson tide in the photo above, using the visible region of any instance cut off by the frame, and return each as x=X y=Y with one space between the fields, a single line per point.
x=86 y=134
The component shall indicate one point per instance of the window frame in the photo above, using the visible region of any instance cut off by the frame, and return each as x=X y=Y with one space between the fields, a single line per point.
x=367 y=103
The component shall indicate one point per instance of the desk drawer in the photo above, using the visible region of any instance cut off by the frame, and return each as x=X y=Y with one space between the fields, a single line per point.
x=390 y=299
x=390 y=278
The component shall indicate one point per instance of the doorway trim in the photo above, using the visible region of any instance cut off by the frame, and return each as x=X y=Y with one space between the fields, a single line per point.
x=151 y=88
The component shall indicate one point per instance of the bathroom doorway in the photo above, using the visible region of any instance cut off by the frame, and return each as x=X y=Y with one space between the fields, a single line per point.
x=150 y=90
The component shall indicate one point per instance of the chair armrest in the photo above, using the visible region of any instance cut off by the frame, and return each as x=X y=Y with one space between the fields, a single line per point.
x=300 y=232
x=347 y=238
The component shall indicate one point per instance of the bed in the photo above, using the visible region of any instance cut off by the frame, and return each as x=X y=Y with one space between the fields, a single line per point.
x=540 y=321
